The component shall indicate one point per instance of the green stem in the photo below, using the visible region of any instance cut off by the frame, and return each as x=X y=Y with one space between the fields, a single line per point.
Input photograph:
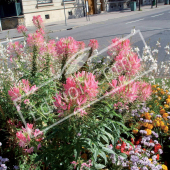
x=34 y=64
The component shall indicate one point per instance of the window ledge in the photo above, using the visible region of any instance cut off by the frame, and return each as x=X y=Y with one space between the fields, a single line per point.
x=45 y=4
x=68 y=2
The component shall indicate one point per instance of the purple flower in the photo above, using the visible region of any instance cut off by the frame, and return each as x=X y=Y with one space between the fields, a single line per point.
x=16 y=167
x=134 y=158
x=160 y=151
x=134 y=168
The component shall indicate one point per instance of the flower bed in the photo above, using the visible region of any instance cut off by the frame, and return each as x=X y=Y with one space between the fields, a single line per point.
x=63 y=107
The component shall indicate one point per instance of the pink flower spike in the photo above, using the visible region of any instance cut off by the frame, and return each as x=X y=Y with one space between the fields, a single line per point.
x=21 y=29
x=30 y=150
x=93 y=44
x=39 y=146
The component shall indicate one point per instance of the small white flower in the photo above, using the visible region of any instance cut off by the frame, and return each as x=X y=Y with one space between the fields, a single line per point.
x=158 y=44
x=133 y=31
x=155 y=51
x=167 y=47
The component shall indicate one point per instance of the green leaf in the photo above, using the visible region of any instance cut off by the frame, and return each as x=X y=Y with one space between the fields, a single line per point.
x=108 y=150
x=99 y=166
x=103 y=155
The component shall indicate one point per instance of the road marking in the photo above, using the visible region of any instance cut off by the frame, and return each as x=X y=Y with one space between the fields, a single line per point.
x=157 y=15
x=11 y=39
x=135 y=21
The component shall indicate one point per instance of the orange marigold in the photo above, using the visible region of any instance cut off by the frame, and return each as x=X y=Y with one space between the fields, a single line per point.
x=162 y=111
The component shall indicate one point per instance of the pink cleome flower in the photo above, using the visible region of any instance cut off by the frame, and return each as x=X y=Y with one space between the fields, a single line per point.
x=93 y=44
x=129 y=92
x=16 y=92
x=24 y=137
x=21 y=29
x=37 y=21
x=35 y=39
x=78 y=90
x=67 y=46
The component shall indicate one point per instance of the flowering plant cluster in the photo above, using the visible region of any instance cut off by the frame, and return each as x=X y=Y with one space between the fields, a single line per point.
x=79 y=111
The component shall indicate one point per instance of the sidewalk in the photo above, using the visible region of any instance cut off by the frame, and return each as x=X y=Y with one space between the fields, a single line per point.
x=75 y=23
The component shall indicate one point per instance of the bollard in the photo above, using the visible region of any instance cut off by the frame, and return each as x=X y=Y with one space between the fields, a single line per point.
x=0 y=25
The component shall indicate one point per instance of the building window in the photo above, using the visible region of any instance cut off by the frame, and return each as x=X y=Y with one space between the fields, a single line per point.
x=44 y=1
x=68 y=0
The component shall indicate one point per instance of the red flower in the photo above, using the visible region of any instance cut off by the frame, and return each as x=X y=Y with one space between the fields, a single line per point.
x=157 y=156
x=157 y=147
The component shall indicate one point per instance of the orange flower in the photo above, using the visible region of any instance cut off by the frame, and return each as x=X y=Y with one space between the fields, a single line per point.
x=165 y=115
x=135 y=131
x=153 y=86
x=145 y=124
x=150 y=126
x=162 y=111
x=147 y=116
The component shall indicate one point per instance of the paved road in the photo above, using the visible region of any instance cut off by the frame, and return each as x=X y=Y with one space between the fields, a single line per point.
x=154 y=25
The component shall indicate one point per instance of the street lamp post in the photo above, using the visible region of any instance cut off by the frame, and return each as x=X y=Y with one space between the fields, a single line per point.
x=0 y=25
x=65 y=12
x=151 y=3
x=156 y=3
x=139 y=5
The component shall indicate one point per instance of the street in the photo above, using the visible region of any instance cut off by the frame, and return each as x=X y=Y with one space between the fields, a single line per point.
x=154 y=26
x=153 y=23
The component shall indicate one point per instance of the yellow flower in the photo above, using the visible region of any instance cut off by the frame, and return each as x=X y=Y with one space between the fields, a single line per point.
x=168 y=100
x=149 y=132
x=150 y=159
x=164 y=167
x=158 y=88
x=165 y=129
x=150 y=106
x=166 y=106
x=135 y=131
x=162 y=124
x=159 y=98
x=158 y=123
x=153 y=86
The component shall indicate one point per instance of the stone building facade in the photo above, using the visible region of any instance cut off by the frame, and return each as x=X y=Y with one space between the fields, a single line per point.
x=52 y=10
